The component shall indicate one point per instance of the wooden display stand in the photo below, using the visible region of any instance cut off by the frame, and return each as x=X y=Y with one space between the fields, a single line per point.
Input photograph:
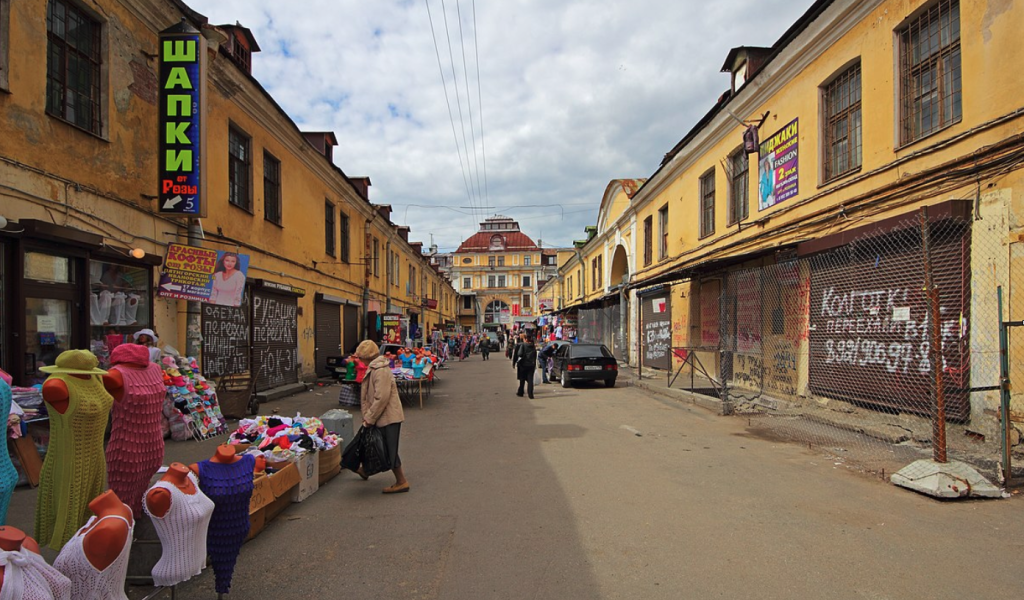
x=28 y=455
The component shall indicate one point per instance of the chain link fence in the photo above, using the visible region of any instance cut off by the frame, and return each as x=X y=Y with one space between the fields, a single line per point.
x=879 y=352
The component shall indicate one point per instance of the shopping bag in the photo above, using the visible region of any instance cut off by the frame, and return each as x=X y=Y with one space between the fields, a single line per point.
x=536 y=377
x=353 y=454
x=374 y=453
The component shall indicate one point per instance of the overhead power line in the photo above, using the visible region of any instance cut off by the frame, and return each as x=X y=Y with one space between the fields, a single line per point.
x=458 y=95
x=447 y=100
x=480 y=103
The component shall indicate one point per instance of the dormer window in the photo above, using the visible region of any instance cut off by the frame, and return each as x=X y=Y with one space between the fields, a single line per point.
x=240 y=46
x=497 y=243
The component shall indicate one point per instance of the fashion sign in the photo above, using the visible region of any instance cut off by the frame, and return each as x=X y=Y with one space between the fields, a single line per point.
x=778 y=177
x=204 y=275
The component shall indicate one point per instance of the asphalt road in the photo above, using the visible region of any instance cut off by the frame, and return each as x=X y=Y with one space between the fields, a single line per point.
x=559 y=497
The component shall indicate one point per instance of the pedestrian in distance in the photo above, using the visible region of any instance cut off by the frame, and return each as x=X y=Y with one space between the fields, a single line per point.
x=546 y=355
x=485 y=348
x=525 y=362
x=382 y=408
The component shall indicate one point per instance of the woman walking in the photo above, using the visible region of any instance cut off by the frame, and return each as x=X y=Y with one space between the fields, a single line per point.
x=382 y=408
x=525 y=362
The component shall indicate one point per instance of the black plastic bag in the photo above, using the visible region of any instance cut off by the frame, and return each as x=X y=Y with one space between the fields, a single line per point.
x=368 y=450
x=353 y=454
x=374 y=453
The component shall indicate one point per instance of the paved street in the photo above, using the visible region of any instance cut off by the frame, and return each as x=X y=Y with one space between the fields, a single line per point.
x=559 y=498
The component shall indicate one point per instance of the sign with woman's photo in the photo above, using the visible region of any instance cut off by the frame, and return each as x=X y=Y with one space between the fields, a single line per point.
x=204 y=275
x=778 y=177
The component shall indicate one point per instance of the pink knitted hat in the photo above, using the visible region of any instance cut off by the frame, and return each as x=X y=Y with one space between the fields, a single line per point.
x=131 y=354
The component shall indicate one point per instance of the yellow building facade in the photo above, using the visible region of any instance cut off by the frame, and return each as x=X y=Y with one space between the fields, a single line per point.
x=78 y=166
x=781 y=242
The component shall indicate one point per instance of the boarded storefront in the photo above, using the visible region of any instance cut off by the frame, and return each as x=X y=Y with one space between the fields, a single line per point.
x=275 y=334
x=327 y=318
x=656 y=330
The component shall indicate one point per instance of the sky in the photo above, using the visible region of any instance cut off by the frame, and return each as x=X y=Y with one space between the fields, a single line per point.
x=525 y=108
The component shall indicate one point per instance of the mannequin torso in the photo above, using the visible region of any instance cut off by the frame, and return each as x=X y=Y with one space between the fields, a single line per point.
x=12 y=540
x=159 y=499
x=106 y=538
x=55 y=391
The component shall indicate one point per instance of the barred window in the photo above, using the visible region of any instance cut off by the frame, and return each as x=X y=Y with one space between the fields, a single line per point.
x=343 y=237
x=707 y=204
x=648 y=240
x=239 y=163
x=329 y=245
x=842 y=123
x=739 y=186
x=930 y=83
x=73 y=66
x=271 y=188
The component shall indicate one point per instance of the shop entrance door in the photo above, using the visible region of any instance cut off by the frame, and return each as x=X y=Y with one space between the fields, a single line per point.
x=53 y=310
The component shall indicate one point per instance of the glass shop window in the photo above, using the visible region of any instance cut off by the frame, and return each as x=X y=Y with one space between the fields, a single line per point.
x=119 y=305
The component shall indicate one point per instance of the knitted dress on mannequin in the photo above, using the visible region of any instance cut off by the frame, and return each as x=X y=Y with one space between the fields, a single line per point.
x=8 y=474
x=27 y=576
x=182 y=531
x=136 y=447
x=230 y=487
x=74 y=468
x=88 y=582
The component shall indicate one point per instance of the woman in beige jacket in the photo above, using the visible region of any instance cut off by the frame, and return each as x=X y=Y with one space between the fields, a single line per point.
x=382 y=408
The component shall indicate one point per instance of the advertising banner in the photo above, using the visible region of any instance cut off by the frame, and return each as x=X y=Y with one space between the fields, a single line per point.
x=391 y=328
x=204 y=275
x=778 y=177
x=181 y=52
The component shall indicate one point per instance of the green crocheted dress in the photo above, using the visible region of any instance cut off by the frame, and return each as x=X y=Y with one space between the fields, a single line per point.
x=75 y=467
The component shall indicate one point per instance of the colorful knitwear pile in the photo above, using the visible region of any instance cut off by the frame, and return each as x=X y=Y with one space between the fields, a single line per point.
x=136 y=447
x=194 y=398
x=75 y=466
x=230 y=487
x=281 y=439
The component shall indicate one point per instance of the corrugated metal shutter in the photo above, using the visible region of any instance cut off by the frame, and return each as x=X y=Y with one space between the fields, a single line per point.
x=351 y=328
x=275 y=334
x=656 y=336
x=861 y=350
x=226 y=338
x=328 y=334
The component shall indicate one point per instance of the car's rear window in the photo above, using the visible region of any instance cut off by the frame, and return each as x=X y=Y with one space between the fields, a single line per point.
x=590 y=352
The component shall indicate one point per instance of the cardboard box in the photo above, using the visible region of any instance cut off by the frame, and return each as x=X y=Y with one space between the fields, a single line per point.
x=271 y=494
x=309 y=476
x=329 y=475
x=330 y=464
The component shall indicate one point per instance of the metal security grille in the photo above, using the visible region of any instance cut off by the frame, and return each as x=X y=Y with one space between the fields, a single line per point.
x=930 y=83
x=226 y=339
x=73 y=66
x=842 y=349
x=843 y=124
x=351 y=328
x=275 y=333
x=328 y=335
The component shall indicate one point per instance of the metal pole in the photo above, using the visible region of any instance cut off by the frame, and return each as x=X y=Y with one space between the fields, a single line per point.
x=1004 y=389
x=935 y=347
x=193 y=329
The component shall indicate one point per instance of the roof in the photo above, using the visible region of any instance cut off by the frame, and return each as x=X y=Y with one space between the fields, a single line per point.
x=730 y=60
x=481 y=242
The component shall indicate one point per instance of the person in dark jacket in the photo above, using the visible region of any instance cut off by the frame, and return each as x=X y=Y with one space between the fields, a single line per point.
x=546 y=354
x=525 y=361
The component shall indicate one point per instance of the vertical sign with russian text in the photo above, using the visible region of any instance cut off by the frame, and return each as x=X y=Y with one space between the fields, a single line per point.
x=181 y=51
x=778 y=176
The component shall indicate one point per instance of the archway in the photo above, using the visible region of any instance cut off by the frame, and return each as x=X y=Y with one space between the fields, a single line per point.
x=620 y=267
x=493 y=312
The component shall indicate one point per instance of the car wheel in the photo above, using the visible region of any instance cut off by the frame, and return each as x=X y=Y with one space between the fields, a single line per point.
x=609 y=382
x=565 y=380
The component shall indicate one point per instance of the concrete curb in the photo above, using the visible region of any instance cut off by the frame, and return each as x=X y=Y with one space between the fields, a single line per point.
x=281 y=392
x=706 y=402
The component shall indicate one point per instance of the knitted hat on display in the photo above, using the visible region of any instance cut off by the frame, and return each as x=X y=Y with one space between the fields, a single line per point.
x=367 y=350
x=130 y=354
x=79 y=362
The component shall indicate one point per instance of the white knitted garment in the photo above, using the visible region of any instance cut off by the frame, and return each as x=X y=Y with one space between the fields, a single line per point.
x=182 y=533
x=88 y=582
x=117 y=309
x=28 y=577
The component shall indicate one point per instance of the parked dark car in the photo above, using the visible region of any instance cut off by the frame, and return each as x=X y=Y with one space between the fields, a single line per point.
x=584 y=362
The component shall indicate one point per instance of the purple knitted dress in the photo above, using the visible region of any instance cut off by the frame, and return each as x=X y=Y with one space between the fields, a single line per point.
x=136 y=447
x=230 y=488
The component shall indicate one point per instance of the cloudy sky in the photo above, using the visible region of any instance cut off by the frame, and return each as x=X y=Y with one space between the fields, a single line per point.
x=570 y=95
